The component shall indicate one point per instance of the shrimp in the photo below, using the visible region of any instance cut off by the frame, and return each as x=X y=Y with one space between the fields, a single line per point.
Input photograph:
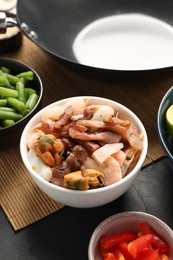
x=112 y=171
x=120 y=156
x=110 y=168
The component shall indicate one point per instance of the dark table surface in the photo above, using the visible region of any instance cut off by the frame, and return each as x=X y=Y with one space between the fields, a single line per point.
x=65 y=234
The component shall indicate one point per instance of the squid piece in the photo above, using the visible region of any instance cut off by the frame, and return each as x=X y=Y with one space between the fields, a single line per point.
x=54 y=113
x=84 y=179
x=38 y=166
x=102 y=111
x=106 y=136
x=65 y=118
x=106 y=150
x=132 y=157
x=128 y=131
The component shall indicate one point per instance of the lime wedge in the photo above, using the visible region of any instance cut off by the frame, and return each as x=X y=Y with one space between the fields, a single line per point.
x=169 y=119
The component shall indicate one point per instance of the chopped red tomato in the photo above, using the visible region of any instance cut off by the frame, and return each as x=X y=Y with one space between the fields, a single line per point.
x=164 y=257
x=139 y=244
x=145 y=252
x=143 y=244
x=109 y=256
x=157 y=243
x=123 y=247
x=115 y=239
x=119 y=255
x=160 y=245
x=154 y=255
x=144 y=227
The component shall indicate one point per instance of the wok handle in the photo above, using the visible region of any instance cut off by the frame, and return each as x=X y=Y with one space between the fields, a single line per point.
x=6 y=21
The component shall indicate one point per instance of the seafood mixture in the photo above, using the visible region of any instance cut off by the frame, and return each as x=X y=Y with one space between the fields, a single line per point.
x=81 y=146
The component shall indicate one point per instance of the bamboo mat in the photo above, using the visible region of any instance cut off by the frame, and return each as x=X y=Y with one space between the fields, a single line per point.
x=21 y=200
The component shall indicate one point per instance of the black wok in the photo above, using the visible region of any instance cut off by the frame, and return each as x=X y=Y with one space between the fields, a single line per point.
x=54 y=24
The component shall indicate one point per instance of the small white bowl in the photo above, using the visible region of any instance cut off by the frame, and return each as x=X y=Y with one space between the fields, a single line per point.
x=93 y=197
x=128 y=221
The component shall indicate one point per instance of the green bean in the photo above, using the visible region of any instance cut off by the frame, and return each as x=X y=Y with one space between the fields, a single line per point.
x=7 y=109
x=25 y=112
x=31 y=102
x=29 y=92
x=12 y=79
x=17 y=97
x=5 y=69
x=7 y=122
x=21 y=93
x=22 y=80
x=16 y=104
x=10 y=115
x=27 y=75
x=6 y=92
x=3 y=102
x=4 y=82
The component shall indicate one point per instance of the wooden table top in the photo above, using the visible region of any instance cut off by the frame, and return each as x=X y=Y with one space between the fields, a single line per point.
x=139 y=91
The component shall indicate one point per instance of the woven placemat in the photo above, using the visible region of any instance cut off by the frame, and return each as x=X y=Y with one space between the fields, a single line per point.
x=21 y=200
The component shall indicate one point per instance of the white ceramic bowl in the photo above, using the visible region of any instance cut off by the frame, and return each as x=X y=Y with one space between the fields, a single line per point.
x=128 y=221
x=94 y=197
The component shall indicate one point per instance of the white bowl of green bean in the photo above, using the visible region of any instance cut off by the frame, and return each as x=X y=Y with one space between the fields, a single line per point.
x=21 y=91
